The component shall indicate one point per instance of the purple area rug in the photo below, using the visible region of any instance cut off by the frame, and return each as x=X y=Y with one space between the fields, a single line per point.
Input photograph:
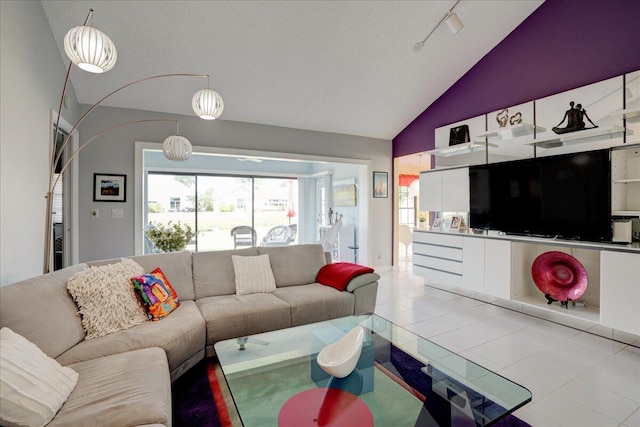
x=197 y=400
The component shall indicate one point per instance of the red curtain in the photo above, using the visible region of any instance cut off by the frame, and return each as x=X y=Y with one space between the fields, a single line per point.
x=406 y=180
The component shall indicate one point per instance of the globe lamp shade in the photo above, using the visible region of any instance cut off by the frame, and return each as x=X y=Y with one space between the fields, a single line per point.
x=207 y=104
x=90 y=49
x=177 y=148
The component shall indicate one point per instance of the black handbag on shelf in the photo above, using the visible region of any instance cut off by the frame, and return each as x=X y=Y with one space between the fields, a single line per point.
x=459 y=135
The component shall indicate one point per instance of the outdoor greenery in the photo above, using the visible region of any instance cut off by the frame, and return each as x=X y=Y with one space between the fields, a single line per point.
x=172 y=237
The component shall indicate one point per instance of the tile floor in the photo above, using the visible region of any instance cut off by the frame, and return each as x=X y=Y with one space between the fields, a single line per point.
x=576 y=378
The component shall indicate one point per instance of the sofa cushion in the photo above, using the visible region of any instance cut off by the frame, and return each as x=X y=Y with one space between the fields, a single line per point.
x=156 y=293
x=315 y=302
x=126 y=389
x=176 y=266
x=361 y=280
x=106 y=298
x=181 y=335
x=33 y=386
x=213 y=272
x=253 y=274
x=296 y=264
x=41 y=310
x=232 y=316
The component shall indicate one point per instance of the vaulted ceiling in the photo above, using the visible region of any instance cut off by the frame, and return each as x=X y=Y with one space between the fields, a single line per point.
x=335 y=66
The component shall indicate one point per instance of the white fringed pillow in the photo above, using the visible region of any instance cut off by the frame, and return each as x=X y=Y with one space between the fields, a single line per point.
x=33 y=386
x=106 y=298
x=253 y=274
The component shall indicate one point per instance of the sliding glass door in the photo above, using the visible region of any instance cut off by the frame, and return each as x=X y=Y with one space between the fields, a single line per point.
x=226 y=212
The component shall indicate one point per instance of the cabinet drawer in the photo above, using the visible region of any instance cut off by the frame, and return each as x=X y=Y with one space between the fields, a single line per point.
x=437 y=277
x=445 y=252
x=446 y=265
x=438 y=239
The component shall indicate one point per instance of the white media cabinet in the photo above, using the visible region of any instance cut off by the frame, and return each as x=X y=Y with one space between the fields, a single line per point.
x=497 y=269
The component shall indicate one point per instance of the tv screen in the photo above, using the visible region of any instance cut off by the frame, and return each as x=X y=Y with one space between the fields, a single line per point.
x=568 y=196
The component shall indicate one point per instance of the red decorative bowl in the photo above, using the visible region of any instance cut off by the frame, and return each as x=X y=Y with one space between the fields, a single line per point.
x=560 y=276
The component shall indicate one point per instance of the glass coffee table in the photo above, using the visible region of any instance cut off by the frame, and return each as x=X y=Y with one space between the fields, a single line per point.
x=400 y=380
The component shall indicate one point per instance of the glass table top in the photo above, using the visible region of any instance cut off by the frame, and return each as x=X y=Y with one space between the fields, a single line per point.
x=402 y=378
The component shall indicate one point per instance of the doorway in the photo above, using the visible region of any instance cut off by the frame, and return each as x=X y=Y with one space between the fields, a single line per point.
x=65 y=199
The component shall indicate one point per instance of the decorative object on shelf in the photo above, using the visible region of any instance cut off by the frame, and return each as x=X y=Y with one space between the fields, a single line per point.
x=560 y=277
x=459 y=135
x=380 y=186
x=109 y=188
x=574 y=116
x=502 y=117
x=340 y=358
x=455 y=222
x=516 y=119
x=330 y=216
x=422 y=219
x=93 y=51
x=437 y=224
x=172 y=237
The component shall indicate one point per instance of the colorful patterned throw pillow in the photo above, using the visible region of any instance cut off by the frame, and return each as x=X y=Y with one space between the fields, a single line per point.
x=157 y=295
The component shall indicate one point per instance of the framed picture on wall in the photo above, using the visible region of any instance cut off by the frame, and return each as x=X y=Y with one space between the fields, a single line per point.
x=109 y=187
x=344 y=193
x=380 y=185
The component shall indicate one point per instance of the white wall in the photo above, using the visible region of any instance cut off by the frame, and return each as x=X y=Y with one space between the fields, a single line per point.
x=114 y=153
x=31 y=78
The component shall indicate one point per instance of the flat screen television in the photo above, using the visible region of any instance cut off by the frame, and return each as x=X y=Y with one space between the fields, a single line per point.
x=566 y=196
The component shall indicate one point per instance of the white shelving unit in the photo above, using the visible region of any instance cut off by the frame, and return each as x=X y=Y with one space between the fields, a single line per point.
x=627 y=113
x=497 y=269
x=456 y=150
x=552 y=140
x=512 y=132
x=625 y=181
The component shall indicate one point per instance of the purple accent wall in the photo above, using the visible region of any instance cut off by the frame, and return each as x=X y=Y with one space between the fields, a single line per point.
x=562 y=45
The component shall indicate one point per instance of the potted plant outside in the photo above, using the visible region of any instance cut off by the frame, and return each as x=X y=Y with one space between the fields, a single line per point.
x=172 y=237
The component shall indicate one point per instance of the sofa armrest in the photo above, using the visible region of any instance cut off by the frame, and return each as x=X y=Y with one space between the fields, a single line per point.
x=362 y=280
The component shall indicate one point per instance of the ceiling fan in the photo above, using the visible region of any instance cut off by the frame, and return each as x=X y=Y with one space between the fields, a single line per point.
x=249 y=159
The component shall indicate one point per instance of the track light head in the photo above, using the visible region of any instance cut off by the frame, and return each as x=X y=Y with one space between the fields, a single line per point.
x=453 y=22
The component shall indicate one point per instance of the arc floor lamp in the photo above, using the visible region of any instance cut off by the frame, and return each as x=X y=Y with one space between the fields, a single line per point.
x=93 y=51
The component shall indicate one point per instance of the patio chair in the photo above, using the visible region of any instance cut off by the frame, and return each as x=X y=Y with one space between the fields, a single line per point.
x=280 y=235
x=244 y=235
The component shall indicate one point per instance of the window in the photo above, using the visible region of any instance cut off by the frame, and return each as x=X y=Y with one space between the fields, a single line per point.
x=406 y=209
x=215 y=205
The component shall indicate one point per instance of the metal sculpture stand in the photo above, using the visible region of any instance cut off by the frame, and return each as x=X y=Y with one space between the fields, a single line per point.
x=562 y=303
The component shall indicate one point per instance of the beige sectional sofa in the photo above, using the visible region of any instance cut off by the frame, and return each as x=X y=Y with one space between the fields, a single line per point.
x=126 y=370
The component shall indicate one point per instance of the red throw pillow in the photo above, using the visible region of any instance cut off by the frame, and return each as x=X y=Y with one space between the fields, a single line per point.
x=339 y=274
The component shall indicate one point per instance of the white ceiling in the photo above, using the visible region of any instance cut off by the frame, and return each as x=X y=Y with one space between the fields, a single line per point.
x=334 y=66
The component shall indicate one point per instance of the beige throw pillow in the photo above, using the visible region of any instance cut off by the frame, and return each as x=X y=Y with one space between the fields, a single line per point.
x=253 y=274
x=33 y=386
x=106 y=298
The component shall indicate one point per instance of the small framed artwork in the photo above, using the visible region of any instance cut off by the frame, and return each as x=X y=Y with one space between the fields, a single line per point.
x=446 y=224
x=455 y=223
x=437 y=224
x=345 y=192
x=109 y=187
x=380 y=185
